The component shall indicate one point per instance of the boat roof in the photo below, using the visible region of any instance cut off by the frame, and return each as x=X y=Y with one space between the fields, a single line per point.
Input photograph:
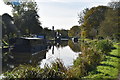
x=31 y=38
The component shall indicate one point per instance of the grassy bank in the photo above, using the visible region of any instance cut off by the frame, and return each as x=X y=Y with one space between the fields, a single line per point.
x=109 y=68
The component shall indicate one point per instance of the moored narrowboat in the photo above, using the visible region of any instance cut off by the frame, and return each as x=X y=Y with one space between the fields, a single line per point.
x=29 y=44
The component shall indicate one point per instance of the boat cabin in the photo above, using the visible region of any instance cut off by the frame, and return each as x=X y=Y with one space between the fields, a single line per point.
x=29 y=44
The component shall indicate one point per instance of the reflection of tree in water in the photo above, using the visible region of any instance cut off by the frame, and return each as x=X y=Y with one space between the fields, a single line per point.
x=7 y=59
x=58 y=45
x=74 y=46
x=61 y=44
x=64 y=43
x=11 y=60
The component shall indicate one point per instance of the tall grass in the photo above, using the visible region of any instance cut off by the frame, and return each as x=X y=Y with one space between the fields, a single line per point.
x=56 y=71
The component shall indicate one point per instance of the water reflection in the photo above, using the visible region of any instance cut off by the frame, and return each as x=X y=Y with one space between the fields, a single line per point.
x=62 y=52
x=12 y=60
x=67 y=51
x=75 y=46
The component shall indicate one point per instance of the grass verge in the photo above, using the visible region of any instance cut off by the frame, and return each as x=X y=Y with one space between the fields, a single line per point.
x=109 y=68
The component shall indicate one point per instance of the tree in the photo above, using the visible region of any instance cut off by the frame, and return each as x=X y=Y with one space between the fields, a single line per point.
x=92 y=20
x=110 y=26
x=48 y=33
x=81 y=15
x=26 y=17
x=114 y=4
x=8 y=25
x=63 y=32
x=74 y=31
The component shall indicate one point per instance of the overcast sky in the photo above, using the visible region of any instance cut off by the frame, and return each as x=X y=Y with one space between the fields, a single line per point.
x=63 y=14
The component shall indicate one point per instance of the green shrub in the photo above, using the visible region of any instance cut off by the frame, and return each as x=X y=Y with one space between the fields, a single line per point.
x=116 y=37
x=104 y=46
x=88 y=60
x=24 y=71
x=57 y=70
x=92 y=55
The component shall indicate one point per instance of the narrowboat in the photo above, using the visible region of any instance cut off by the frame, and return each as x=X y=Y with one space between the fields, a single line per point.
x=29 y=44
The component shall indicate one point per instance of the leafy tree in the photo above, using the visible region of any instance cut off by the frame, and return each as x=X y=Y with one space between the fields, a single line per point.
x=92 y=20
x=8 y=26
x=114 y=4
x=110 y=26
x=83 y=34
x=48 y=33
x=74 y=31
x=63 y=32
x=26 y=17
x=81 y=15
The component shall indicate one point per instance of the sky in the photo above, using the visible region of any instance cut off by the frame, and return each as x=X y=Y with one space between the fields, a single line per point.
x=62 y=14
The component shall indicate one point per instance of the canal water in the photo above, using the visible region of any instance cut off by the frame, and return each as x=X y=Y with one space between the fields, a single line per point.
x=66 y=51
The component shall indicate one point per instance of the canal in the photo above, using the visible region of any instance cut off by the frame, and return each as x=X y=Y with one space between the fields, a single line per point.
x=66 y=51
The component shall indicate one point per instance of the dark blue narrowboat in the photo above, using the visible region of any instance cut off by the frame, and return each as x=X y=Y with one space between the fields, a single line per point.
x=29 y=44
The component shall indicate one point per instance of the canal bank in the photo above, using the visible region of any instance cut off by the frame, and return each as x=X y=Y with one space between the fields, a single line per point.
x=109 y=68
x=84 y=65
